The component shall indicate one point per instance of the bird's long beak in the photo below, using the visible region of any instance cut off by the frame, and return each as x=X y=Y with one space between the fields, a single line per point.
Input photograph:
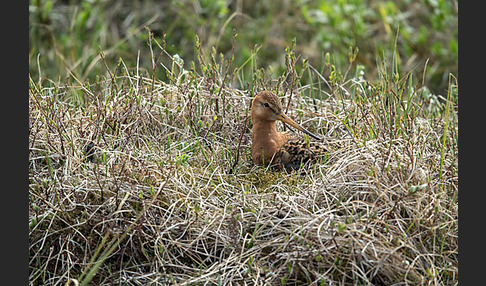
x=284 y=118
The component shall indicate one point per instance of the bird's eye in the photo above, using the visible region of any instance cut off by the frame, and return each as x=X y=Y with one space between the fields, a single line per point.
x=266 y=104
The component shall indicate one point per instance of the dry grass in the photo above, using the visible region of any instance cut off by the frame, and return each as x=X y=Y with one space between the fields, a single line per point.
x=169 y=201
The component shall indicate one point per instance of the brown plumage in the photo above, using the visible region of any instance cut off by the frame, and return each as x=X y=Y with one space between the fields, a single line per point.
x=279 y=149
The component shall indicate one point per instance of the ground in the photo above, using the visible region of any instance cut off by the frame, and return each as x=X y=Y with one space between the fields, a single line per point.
x=171 y=194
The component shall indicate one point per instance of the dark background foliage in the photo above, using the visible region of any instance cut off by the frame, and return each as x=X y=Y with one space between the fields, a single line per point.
x=66 y=37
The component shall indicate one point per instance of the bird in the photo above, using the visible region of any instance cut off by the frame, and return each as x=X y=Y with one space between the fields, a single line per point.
x=280 y=149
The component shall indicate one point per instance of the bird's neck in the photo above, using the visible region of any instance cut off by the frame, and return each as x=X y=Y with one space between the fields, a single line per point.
x=266 y=141
x=265 y=130
x=265 y=133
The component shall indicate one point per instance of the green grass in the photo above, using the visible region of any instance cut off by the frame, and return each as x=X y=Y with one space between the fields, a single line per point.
x=66 y=39
x=173 y=197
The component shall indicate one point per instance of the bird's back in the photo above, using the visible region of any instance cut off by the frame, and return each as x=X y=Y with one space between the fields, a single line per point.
x=298 y=153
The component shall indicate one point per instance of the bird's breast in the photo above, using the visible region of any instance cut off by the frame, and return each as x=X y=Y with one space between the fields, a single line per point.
x=263 y=151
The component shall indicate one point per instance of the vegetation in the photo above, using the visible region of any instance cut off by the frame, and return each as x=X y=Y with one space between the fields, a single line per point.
x=139 y=143
x=66 y=37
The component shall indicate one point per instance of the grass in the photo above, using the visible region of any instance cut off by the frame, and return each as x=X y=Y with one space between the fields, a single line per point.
x=172 y=196
x=66 y=37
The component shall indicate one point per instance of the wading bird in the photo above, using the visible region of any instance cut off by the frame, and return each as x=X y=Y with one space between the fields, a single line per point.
x=279 y=149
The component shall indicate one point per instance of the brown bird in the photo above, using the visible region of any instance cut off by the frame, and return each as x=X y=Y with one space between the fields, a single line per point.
x=279 y=149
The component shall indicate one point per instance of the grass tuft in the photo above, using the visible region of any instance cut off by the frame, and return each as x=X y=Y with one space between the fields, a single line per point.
x=171 y=195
